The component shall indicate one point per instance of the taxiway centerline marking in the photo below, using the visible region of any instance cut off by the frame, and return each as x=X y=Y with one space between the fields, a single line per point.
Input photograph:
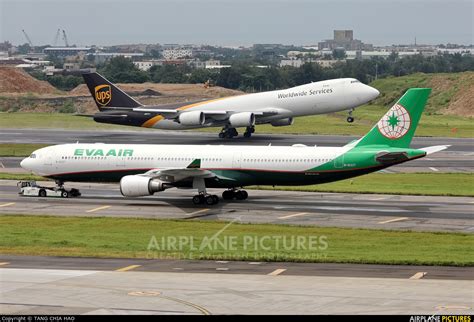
x=418 y=275
x=393 y=220
x=4 y=263
x=293 y=215
x=375 y=199
x=197 y=212
x=98 y=208
x=434 y=169
x=7 y=204
x=277 y=272
x=127 y=268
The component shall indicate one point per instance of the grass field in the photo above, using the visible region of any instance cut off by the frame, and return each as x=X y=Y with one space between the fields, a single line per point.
x=19 y=149
x=435 y=184
x=130 y=238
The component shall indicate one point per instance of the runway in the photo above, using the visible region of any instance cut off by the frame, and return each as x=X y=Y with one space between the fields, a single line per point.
x=54 y=136
x=420 y=213
x=458 y=158
x=52 y=285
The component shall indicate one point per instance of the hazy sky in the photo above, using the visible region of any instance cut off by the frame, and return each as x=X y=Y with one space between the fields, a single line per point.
x=237 y=22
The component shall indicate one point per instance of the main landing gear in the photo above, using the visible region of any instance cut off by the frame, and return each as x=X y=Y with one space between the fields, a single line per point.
x=205 y=199
x=350 y=118
x=235 y=194
x=228 y=133
x=248 y=131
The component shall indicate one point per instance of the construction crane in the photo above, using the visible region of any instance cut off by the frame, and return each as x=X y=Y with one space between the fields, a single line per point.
x=65 y=38
x=56 y=38
x=27 y=38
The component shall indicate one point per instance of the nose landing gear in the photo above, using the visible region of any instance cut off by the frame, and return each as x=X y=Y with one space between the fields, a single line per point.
x=350 y=118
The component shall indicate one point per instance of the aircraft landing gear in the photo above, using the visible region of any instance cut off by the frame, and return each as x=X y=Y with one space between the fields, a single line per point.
x=235 y=194
x=350 y=118
x=228 y=133
x=248 y=131
x=205 y=199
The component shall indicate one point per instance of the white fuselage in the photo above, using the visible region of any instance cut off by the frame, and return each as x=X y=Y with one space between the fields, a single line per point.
x=309 y=99
x=101 y=158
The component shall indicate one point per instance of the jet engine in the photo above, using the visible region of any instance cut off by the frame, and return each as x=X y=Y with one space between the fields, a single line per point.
x=192 y=118
x=242 y=119
x=282 y=122
x=138 y=186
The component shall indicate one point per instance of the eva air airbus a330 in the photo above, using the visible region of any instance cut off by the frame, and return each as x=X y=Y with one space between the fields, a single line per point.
x=143 y=170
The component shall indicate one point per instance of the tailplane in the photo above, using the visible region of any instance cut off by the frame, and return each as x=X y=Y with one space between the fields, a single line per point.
x=106 y=94
x=397 y=127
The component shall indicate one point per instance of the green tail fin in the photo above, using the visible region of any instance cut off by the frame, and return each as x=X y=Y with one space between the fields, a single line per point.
x=397 y=127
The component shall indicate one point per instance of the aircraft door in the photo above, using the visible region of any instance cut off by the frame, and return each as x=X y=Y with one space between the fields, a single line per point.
x=236 y=162
x=339 y=161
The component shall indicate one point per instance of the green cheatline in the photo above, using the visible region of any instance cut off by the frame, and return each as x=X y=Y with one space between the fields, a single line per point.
x=148 y=238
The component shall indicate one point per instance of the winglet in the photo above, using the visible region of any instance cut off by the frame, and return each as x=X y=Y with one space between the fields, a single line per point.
x=196 y=164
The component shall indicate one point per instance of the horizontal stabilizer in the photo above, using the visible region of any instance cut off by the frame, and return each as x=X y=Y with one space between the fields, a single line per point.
x=433 y=149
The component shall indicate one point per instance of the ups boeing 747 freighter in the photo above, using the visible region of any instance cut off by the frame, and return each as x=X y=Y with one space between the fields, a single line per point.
x=277 y=108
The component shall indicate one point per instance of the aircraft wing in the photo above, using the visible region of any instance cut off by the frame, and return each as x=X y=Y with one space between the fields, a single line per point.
x=173 y=113
x=193 y=170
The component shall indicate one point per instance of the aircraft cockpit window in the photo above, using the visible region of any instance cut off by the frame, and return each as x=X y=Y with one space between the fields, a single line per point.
x=354 y=81
x=33 y=156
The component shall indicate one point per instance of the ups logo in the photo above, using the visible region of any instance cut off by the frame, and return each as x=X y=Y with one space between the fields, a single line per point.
x=103 y=94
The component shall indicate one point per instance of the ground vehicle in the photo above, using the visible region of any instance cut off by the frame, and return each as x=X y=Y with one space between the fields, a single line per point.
x=31 y=188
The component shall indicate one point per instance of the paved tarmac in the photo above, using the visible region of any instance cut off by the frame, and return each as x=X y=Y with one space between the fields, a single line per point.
x=73 y=291
x=57 y=136
x=421 y=213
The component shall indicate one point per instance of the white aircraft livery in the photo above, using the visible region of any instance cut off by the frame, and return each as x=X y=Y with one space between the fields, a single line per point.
x=277 y=108
x=143 y=170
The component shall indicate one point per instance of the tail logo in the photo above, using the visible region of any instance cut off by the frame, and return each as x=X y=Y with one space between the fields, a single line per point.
x=395 y=123
x=103 y=94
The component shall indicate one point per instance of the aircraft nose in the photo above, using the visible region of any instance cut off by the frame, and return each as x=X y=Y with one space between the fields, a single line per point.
x=371 y=92
x=25 y=164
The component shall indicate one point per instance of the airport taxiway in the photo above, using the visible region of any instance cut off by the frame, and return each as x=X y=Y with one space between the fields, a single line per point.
x=59 y=136
x=129 y=290
x=423 y=213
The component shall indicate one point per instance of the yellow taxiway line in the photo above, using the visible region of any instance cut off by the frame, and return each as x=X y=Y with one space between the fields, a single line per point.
x=98 y=208
x=127 y=268
x=393 y=220
x=293 y=215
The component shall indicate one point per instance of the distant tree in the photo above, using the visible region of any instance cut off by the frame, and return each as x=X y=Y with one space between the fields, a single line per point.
x=201 y=75
x=123 y=70
x=24 y=49
x=339 y=53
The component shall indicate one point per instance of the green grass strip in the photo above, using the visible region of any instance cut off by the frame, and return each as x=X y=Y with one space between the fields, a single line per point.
x=131 y=238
